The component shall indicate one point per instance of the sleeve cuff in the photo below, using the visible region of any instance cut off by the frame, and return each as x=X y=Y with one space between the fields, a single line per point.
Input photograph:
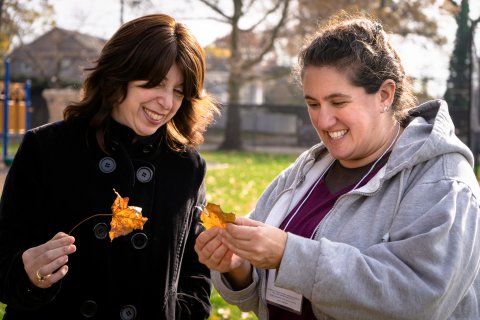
x=234 y=296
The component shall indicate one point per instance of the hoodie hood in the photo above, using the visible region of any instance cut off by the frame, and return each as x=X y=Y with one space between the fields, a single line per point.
x=429 y=133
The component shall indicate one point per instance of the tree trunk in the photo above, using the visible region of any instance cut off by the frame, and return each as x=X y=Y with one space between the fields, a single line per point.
x=233 y=126
x=233 y=129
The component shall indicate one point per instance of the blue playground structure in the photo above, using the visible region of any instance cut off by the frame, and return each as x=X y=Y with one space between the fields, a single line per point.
x=9 y=131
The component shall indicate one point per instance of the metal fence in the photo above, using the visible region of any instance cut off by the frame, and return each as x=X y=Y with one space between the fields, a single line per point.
x=268 y=125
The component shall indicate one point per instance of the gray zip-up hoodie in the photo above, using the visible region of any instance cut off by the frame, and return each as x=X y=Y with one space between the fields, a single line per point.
x=404 y=246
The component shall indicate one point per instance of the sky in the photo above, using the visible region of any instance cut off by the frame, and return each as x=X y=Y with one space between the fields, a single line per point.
x=102 y=18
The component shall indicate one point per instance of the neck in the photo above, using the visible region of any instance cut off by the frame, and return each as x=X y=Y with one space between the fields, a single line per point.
x=375 y=156
x=339 y=177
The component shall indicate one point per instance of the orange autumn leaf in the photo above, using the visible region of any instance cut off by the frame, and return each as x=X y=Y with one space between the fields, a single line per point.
x=213 y=216
x=125 y=218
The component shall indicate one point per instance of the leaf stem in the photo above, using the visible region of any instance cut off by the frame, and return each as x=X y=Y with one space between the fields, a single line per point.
x=95 y=215
x=104 y=215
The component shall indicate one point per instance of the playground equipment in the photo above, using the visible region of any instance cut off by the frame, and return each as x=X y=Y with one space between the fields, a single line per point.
x=15 y=111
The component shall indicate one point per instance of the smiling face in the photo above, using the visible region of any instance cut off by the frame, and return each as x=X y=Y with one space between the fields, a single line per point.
x=349 y=121
x=145 y=110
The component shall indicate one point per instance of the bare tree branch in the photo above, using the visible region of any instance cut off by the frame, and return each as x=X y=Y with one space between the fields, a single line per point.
x=264 y=18
x=214 y=6
x=475 y=22
x=239 y=62
x=247 y=65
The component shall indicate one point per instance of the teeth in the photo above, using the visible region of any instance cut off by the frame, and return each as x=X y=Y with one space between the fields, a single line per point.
x=337 y=134
x=155 y=116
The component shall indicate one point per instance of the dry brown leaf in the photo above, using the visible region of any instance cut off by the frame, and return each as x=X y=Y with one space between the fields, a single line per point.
x=125 y=219
x=213 y=216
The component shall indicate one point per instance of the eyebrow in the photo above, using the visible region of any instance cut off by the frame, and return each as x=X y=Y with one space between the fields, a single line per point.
x=167 y=79
x=330 y=96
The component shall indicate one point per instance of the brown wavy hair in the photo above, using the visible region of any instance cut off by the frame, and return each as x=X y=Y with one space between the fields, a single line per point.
x=145 y=49
x=357 y=43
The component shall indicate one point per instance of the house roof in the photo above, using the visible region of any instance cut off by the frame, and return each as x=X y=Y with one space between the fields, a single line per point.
x=59 y=54
x=63 y=39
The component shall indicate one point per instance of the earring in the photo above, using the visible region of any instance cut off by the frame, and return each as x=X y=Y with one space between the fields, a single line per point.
x=385 y=108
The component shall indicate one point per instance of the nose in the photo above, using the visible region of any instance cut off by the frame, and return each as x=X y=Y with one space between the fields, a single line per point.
x=165 y=100
x=322 y=118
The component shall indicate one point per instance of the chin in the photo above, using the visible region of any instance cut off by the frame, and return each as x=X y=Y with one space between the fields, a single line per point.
x=145 y=133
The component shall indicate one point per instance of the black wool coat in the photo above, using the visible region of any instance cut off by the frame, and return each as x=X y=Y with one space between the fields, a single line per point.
x=60 y=177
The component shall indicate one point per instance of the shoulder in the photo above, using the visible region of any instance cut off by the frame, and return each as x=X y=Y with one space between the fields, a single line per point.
x=187 y=163
x=58 y=131
x=51 y=140
x=304 y=163
x=457 y=168
x=183 y=170
x=188 y=156
x=444 y=174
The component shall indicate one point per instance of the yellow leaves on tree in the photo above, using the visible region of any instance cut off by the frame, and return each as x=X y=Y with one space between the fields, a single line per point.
x=213 y=216
x=125 y=219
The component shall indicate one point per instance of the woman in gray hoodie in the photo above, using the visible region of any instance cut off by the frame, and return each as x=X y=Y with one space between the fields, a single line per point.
x=378 y=221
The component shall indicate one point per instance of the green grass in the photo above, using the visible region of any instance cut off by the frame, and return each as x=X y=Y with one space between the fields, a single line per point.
x=235 y=180
x=12 y=149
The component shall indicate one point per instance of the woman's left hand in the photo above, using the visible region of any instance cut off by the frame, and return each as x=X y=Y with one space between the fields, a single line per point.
x=261 y=244
x=46 y=264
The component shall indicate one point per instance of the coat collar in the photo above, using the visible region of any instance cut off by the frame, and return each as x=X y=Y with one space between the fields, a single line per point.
x=119 y=134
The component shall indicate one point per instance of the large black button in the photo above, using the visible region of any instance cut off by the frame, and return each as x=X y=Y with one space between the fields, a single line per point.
x=139 y=240
x=128 y=312
x=101 y=230
x=88 y=309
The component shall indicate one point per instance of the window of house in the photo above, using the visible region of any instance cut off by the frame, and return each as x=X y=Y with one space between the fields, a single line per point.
x=25 y=67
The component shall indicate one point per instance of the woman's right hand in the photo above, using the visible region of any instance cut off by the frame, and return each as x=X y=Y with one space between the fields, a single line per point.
x=216 y=256
x=213 y=253
x=46 y=263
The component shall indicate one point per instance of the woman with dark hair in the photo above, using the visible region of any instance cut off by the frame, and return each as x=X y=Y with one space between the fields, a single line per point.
x=135 y=131
x=380 y=220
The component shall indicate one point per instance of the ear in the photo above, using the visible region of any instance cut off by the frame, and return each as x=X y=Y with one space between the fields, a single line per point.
x=387 y=92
